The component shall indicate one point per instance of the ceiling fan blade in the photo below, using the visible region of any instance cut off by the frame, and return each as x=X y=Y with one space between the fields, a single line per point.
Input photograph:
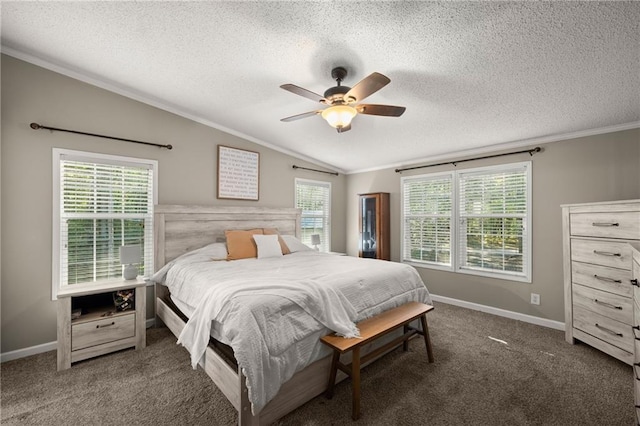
x=299 y=116
x=367 y=86
x=385 y=110
x=304 y=92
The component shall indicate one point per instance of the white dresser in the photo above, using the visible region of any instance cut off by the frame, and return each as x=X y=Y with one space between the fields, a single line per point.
x=598 y=274
x=636 y=326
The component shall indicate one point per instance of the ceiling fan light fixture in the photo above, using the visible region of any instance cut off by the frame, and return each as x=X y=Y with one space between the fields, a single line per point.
x=339 y=116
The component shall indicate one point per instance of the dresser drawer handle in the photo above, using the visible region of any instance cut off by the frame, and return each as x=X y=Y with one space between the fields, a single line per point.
x=634 y=328
x=608 y=330
x=605 y=224
x=635 y=282
x=608 y=305
x=105 y=325
x=635 y=372
x=609 y=280
x=607 y=253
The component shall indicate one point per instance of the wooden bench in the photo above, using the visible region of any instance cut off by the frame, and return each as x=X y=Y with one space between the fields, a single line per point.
x=370 y=330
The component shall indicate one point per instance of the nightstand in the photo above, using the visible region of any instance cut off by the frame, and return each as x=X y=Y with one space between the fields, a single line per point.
x=99 y=329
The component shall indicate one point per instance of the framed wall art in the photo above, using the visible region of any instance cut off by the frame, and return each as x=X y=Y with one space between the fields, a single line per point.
x=238 y=174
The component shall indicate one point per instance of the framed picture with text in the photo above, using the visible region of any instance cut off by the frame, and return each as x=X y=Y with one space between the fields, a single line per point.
x=238 y=174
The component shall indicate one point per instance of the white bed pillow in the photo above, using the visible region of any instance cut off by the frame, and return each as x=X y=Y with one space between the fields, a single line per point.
x=295 y=244
x=268 y=246
x=216 y=251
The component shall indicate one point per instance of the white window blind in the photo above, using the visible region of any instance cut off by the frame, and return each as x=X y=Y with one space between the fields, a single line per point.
x=494 y=206
x=314 y=198
x=102 y=202
x=474 y=221
x=427 y=214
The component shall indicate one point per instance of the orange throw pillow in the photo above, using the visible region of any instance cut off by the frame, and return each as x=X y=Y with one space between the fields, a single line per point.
x=240 y=244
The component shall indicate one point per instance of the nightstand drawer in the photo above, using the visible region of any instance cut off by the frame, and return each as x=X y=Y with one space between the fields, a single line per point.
x=606 y=225
x=606 y=253
x=92 y=333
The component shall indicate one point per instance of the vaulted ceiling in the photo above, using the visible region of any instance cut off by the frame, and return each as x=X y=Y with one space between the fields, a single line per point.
x=474 y=76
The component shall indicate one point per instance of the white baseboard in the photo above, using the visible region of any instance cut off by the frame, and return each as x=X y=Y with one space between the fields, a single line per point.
x=33 y=350
x=45 y=347
x=557 y=325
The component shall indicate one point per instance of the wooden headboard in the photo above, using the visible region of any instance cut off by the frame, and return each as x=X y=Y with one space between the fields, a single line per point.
x=178 y=229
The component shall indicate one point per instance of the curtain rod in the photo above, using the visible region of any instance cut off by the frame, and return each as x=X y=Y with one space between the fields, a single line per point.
x=455 y=163
x=315 y=170
x=36 y=126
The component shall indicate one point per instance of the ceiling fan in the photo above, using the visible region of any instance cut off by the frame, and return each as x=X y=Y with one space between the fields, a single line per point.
x=344 y=101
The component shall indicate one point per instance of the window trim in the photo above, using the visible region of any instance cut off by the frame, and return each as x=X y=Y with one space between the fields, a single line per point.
x=455 y=267
x=58 y=154
x=326 y=184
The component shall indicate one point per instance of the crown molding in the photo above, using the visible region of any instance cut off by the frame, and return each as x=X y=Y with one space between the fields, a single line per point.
x=157 y=103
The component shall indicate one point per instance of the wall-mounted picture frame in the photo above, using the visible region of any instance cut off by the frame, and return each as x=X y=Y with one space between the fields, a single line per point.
x=238 y=174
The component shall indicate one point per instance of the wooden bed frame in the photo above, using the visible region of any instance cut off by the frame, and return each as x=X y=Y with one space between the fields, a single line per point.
x=182 y=228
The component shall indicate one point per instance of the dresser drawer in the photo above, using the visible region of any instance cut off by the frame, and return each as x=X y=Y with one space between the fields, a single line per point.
x=607 y=304
x=604 y=278
x=635 y=272
x=605 y=253
x=606 y=225
x=92 y=333
x=606 y=329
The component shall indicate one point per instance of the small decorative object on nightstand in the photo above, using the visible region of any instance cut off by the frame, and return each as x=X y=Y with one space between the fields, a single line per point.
x=315 y=241
x=130 y=258
x=99 y=318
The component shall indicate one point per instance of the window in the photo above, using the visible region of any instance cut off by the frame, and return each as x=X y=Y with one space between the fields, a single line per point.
x=101 y=202
x=473 y=221
x=314 y=198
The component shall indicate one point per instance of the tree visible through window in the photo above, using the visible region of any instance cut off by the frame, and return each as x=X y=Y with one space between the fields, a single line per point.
x=474 y=221
x=101 y=203
x=314 y=198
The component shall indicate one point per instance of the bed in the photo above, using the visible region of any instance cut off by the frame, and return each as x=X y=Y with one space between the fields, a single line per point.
x=181 y=231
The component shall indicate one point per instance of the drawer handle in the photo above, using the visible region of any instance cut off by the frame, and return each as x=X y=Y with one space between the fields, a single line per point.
x=608 y=330
x=605 y=224
x=634 y=328
x=607 y=279
x=608 y=305
x=635 y=282
x=635 y=372
x=105 y=325
x=607 y=253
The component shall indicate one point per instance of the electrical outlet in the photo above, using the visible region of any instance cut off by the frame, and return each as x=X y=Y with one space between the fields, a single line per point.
x=535 y=299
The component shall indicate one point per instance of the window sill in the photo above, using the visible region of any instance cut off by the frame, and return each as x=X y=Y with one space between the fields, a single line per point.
x=497 y=276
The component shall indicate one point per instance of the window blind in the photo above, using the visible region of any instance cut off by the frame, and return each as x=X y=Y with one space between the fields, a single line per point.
x=104 y=204
x=494 y=206
x=314 y=198
x=427 y=214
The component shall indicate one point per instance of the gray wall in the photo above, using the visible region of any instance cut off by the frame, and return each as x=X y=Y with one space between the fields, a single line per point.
x=187 y=175
x=595 y=168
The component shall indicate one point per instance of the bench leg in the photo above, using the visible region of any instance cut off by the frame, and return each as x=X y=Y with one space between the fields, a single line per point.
x=427 y=339
x=355 y=383
x=332 y=374
x=405 y=343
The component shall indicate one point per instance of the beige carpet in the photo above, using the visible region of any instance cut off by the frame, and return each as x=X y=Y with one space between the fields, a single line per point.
x=536 y=378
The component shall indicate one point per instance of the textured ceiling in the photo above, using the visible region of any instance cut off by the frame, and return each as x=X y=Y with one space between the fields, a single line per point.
x=473 y=75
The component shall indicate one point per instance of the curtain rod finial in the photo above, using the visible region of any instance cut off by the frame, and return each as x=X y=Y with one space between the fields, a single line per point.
x=35 y=126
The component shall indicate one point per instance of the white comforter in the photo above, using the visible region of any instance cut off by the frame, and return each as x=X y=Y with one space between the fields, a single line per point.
x=273 y=311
